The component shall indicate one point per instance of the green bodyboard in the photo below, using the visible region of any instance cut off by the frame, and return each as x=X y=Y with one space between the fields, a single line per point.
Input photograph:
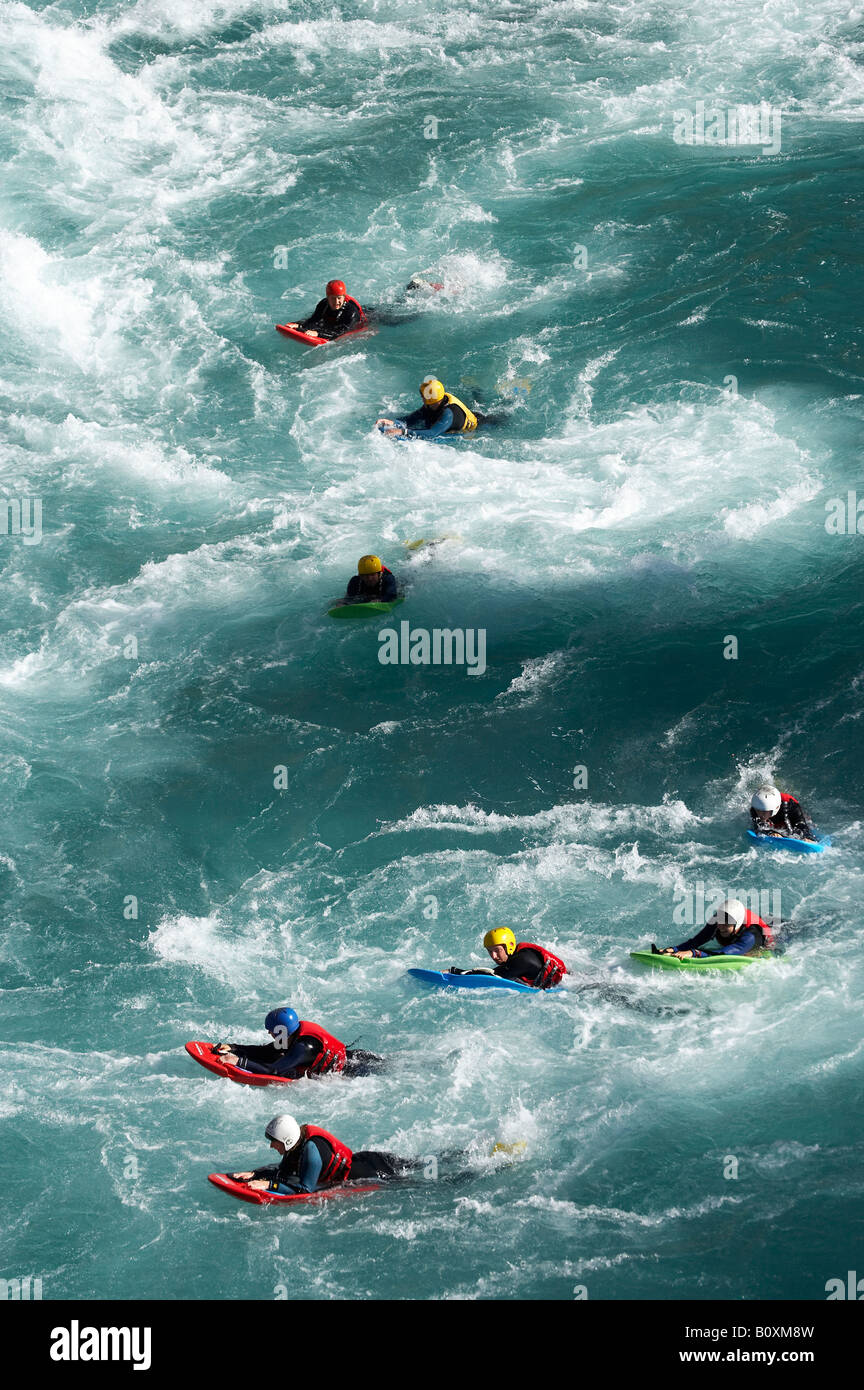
x=706 y=963
x=363 y=610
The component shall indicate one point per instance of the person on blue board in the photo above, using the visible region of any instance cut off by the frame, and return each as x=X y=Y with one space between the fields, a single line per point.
x=312 y=1159
x=372 y=582
x=730 y=931
x=440 y=413
x=524 y=961
x=299 y=1048
x=777 y=813
x=337 y=313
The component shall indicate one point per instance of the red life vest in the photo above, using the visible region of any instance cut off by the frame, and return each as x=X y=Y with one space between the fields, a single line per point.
x=339 y=1165
x=332 y=1057
x=762 y=929
x=349 y=299
x=553 y=971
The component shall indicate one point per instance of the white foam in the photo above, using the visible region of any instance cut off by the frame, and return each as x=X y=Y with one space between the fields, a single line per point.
x=537 y=673
x=574 y=819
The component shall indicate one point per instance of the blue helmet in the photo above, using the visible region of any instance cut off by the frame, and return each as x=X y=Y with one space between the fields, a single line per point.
x=282 y=1018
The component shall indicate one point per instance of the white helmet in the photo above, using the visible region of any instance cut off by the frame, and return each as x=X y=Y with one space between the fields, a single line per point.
x=767 y=801
x=432 y=390
x=284 y=1128
x=732 y=911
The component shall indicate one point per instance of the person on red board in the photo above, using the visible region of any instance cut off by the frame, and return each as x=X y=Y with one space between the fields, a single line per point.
x=524 y=961
x=337 y=313
x=312 y=1159
x=777 y=813
x=299 y=1048
x=730 y=931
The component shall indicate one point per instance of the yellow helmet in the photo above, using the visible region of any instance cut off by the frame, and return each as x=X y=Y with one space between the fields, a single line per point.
x=369 y=564
x=500 y=936
x=432 y=390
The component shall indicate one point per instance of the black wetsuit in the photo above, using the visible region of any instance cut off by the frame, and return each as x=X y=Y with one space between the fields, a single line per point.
x=371 y=1163
x=332 y=323
x=296 y=1059
x=527 y=963
x=401 y=310
x=363 y=1063
x=383 y=592
x=789 y=820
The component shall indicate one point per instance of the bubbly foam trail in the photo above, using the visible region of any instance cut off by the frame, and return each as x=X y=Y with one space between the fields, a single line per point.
x=683 y=401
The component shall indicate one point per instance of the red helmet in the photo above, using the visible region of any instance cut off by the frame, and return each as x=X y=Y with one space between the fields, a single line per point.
x=336 y=287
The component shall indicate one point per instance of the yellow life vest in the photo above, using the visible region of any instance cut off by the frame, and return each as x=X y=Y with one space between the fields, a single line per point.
x=469 y=420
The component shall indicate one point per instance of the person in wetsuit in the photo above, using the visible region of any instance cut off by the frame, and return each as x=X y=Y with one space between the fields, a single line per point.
x=440 y=413
x=335 y=314
x=312 y=1159
x=339 y=312
x=524 y=961
x=299 y=1048
x=732 y=930
x=776 y=813
x=373 y=581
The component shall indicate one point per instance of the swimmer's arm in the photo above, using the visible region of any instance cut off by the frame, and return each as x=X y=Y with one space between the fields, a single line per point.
x=310 y=1172
x=440 y=427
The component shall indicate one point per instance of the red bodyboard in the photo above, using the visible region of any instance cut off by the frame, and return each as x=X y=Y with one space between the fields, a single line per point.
x=320 y=342
x=245 y=1193
x=203 y=1053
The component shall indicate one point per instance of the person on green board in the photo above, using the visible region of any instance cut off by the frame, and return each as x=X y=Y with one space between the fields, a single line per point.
x=730 y=931
x=373 y=582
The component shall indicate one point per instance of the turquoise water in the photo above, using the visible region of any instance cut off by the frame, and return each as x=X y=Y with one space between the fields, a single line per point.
x=686 y=398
